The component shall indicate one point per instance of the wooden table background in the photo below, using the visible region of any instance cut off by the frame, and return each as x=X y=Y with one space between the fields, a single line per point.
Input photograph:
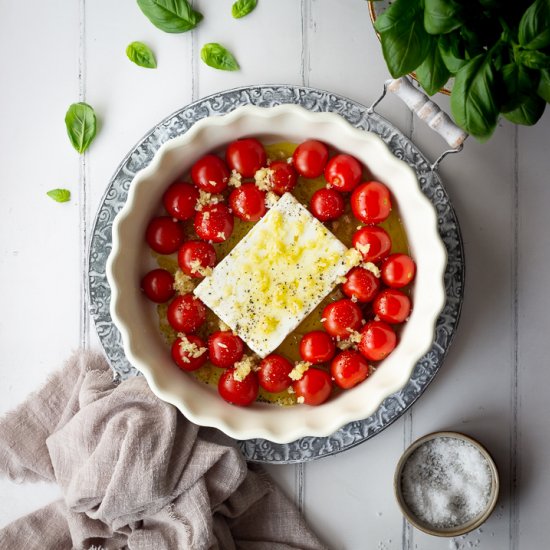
x=494 y=384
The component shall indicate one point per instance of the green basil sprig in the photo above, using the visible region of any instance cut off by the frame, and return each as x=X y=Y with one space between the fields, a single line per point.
x=141 y=55
x=81 y=124
x=172 y=16
x=59 y=195
x=243 y=7
x=218 y=57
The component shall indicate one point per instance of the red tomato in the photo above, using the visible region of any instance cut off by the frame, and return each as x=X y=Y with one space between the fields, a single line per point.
x=210 y=174
x=184 y=359
x=180 y=200
x=371 y=202
x=317 y=347
x=343 y=172
x=248 y=202
x=362 y=284
x=237 y=392
x=214 y=223
x=310 y=158
x=341 y=317
x=225 y=348
x=349 y=368
x=246 y=156
x=377 y=340
x=158 y=285
x=186 y=313
x=392 y=306
x=327 y=204
x=164 y=235
x=375 y=239
x=284 y=176
x=398 y=270
x=192 y=252
x=273 y=373
x=314 y=387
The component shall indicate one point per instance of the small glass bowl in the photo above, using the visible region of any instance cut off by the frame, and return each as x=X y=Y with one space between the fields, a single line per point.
x=455 y=531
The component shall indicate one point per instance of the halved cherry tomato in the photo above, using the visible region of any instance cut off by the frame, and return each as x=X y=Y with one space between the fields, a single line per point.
x=246 y=156
x=317 y=347
x=180 y=200
x=273 y=373
x=373 y=242
x=314 y=387
x=164 y=235
x=225 y=348
x=349 y=368
x=398 y=270
x=210 y=174
x=248 y=202
x=158 y=285
x=371 y=202
x=392 y=306
x=310 y=158
x=343 y=172
x=327 y=204
x=184 y=359
x=214 y=223
x=362 y=284
x=241 y=393
x=284 y=176
x=186 y=313
x=193 y=255
x=378 y=340
x=341 y=317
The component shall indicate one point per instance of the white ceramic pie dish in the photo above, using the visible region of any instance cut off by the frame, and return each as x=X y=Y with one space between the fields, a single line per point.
x=136 y=318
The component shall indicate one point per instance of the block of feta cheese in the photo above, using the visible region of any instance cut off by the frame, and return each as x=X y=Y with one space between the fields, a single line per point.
x=276 y=275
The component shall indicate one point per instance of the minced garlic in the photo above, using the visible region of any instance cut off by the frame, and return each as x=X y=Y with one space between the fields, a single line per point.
x=369 y=266
x=264 y=179
x=235 y=180
x=351 y=341
x=271 y=199
x=244 y=367
x=197 y=267
x=189 y=349
x=363 y=248
x=300 y=399
x=205 y=199
x=353 y=257
x=299 y=369
x=182 y=282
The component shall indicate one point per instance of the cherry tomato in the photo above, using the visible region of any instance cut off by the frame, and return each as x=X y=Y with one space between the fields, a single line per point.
x=158 y=285
x=164 y=235
x=246 y=156
x=373 y=242
x=193 y=255
x=284 y=176
x=349 y=368
x=343 y=172
x=314 y=387
x=180 y=200
x=214 y=223
x=184 y=359
x=327 y=204
x=371 y=202
x=274 y=373
x=362 y=284
x=377 y=340
x=241 y=393
x=225 y=348
x=341 y=317
x=398 y=270
x=310 y=158
x=186 y=313
x=317 y=347
x=248 y=202
x=210 y=174
x=392 y=306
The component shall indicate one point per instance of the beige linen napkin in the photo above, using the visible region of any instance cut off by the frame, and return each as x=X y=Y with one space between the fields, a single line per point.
x=135 y=473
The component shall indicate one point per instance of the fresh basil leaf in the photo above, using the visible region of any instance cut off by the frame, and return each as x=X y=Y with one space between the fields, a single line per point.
x=59 y=195
x=433 y=73
x=243 y=7
x=534 y=26
x=533 y=59
x=518 y=83
x=215 y=55
x=527 y=112
x=450 y=52
x=172 y=16
x=81 y=124
x=441 y=16
x=141 y=55
x=405 y=42
x=472 y=98
x=544 y=86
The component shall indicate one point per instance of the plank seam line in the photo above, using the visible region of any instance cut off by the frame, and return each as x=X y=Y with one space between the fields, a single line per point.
x=305 y=66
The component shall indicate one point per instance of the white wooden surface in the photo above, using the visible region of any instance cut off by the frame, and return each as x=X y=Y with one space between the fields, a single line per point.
x=495 y=381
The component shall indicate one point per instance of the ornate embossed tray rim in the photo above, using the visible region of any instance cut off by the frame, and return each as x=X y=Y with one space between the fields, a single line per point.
x=308 y=448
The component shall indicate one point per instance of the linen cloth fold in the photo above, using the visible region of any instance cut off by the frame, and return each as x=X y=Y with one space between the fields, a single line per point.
x=135 y=473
